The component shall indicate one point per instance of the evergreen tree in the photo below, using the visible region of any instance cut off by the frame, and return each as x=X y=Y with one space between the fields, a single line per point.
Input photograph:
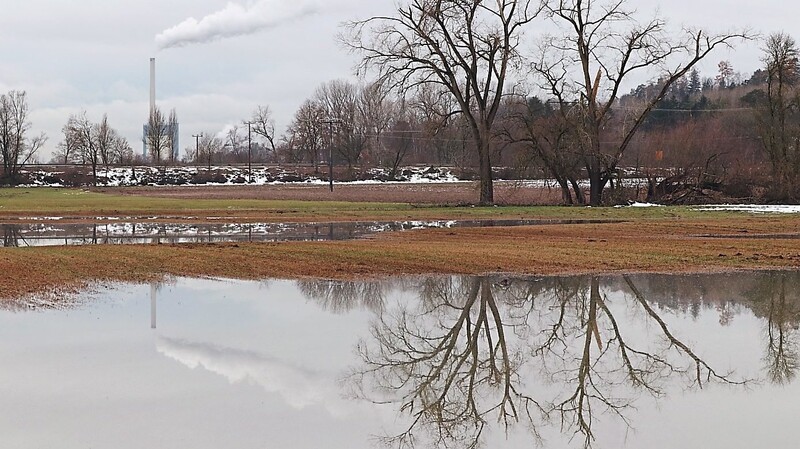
x=695 y=84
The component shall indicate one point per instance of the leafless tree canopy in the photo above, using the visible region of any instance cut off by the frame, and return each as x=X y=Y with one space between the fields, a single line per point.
x=263 y=125
x=17 y=146
x=468 y=48
x=171 y=134
x=305 y=137
x=206 y=150
x=156 y=138
x=344 y=296
x=605 y=41
x=778 y=115
x=547 y=133
x=465 y=355
x=93 y=144
x=775 y=298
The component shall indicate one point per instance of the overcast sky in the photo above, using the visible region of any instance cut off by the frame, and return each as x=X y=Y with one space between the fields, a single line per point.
x=218 y=59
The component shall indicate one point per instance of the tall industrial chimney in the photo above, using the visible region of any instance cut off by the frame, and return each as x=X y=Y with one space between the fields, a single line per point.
x=152 y=84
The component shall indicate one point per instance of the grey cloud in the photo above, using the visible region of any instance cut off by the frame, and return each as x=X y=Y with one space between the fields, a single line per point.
x=235 y=20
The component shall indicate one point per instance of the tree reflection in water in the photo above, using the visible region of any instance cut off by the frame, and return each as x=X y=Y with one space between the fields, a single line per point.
x=343 y=296
x=519 y=352
x=775 y=297
x=11 y=235
x=448 y=365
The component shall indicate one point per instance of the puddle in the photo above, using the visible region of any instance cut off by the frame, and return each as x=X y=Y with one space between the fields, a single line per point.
x=501 y=361
x=116 y=233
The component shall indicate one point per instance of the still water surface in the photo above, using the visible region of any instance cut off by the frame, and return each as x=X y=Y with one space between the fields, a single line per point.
x=638 y=361
x=54 y=233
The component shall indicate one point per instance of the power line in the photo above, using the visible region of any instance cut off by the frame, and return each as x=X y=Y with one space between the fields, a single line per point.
x=691 y=110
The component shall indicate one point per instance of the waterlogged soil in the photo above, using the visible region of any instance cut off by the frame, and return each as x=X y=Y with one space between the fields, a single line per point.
x=652 y=240
x=678 y=246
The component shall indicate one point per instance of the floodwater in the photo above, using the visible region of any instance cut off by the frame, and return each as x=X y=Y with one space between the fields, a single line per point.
x=633 y=361
x=53 y=233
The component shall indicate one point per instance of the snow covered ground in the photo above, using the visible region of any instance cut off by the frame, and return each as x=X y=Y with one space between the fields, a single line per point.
x=638 y=204
x=753 y=208
x=745 y=208
x=226 y=175
x=155 y=176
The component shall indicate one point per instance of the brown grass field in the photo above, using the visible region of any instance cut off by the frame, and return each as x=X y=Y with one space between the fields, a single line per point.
x=658 y=240
x=507 y=193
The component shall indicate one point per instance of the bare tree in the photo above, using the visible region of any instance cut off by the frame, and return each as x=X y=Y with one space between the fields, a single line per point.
x=68 y=149
x=171 y=135
x=548 y=137
x=155 y=137
x=398 y=141
x=262 y=124
x=235 y=144
x=468 y=48
x=378 y=111
x=86 y=134
x=342 y=103
x=305 y=134
x=121 y=150
x=17 y=148
x=446 y=136
x=207 y=147
x=104 y=141
x=778 y=117
x=94 y=143
x=607 y=45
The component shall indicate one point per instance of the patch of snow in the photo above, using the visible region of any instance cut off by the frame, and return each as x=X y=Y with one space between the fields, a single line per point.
x=638 y=204
x=752 y=208
x=41 y=218
x=583 y=183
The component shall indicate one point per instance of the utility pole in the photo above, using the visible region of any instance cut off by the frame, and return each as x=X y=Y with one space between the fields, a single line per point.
x=197 y=146
x=330 y=123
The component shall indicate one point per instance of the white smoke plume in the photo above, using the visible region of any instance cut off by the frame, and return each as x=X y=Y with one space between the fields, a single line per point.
x=298 y=386
x=235 y=20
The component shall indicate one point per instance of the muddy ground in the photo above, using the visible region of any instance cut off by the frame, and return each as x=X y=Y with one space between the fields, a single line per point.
x=672 y=246
x=650 y=243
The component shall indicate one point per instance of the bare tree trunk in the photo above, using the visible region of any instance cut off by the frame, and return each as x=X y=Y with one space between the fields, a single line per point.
x=596 y=183
x=486 y=175
x=566 y=195
x=580 y=197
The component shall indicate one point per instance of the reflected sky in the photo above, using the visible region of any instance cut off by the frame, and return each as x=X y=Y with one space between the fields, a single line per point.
x=297 y=364
x=50 y=232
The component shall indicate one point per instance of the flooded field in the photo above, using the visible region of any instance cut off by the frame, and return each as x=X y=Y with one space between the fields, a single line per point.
x=629 y=361
x=53 y=233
